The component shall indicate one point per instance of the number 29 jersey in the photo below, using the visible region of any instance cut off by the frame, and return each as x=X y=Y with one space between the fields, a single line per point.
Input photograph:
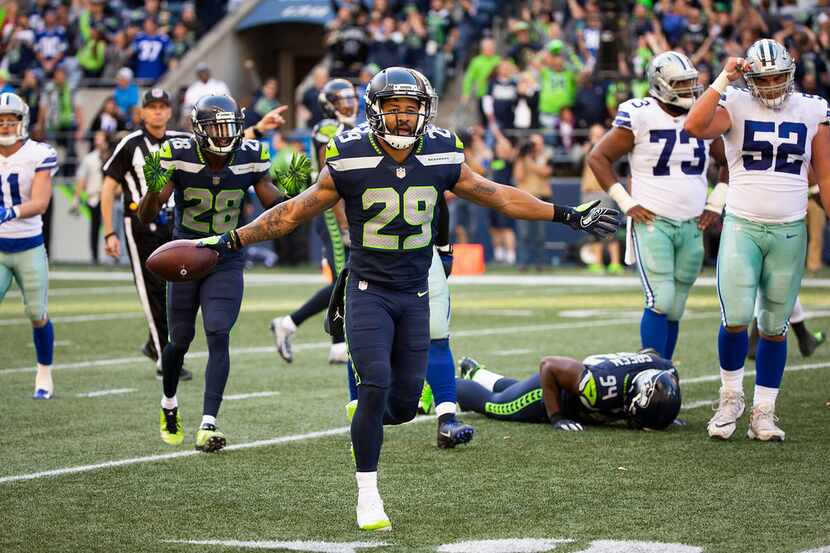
x=769 y=153
x=391 y=206
x=668 y=167
x=209 y=202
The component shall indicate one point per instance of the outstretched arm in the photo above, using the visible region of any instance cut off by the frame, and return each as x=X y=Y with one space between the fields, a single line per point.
x=556 y=374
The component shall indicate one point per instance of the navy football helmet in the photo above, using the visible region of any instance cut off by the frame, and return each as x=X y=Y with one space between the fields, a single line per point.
x=399 y=82
x=653 y=400
x=217 y=124
x=338 y=100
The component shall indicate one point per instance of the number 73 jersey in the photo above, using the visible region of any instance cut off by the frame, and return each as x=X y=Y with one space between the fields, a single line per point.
x=391 y=206
x=209 y=202
x=668 y=167
x=769 y=153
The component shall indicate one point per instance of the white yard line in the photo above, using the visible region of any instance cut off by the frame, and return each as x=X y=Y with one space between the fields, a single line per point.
x=113 y=392
x=696 y=404
x=511 y=352
x=233 y=397
x=79 y=318
x=188 y=453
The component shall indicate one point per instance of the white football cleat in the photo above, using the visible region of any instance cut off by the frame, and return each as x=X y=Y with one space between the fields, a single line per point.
x=730 y=408
x=762 y=425
x=370 y=513
x=44 y=388
x=283 y=329
x=339 y=354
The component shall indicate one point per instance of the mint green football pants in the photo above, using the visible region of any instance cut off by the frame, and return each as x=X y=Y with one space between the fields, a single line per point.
x=30 y=268
x=762 y=259
x=669 y=257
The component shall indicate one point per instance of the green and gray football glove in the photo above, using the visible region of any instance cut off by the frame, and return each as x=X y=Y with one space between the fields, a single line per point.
x=292 y=175
x=156 y=177
x=599 y=221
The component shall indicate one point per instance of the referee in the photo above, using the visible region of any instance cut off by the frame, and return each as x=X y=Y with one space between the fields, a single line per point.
x=124 y=169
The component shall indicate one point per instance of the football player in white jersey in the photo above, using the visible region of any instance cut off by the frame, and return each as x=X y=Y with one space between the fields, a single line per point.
x=770 y=134
x=26 y=169
x=667 y=208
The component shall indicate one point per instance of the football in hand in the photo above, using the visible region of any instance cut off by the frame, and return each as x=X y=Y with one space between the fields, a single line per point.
x=182 y=261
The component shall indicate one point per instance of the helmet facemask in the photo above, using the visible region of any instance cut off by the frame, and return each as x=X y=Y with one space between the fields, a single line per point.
x=674 y=80
x=345 y=108
x=14 y=105
x=768 y=58
x=771 y=95
x=221 y=133
x=397 y=140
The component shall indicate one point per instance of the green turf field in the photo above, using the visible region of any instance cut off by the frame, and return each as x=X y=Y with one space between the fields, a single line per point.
x=288 y=477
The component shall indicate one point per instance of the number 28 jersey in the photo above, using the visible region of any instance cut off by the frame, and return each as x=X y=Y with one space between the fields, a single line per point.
x=209 y=202
x=769 y=153
x=668 y=167
x=391 y=206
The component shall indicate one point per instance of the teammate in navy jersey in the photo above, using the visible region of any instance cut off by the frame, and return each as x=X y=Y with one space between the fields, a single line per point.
x=208 y=174
x=641 y=388
x=390 y=178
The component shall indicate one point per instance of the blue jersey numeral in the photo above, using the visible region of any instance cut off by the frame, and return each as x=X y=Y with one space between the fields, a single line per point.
x=670 y=136
x=759 y=154
x=14 y=189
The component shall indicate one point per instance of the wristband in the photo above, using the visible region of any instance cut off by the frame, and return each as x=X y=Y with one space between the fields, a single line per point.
x=720 y=83
x=562 y=214
x=107 y=235
x=446 y=249
x=620 y=195
x=257 y=133
x=813 y=189
x=717 y=198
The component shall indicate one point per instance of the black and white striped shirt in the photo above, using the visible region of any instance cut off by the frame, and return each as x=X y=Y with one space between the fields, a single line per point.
x=126 y=163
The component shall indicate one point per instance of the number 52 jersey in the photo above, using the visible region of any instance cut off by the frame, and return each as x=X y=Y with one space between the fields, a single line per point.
x=390 y=206
x=769 y=153
x=209 y=202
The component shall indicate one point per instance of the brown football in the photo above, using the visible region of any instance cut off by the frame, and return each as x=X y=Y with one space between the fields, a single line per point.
x=182 y=261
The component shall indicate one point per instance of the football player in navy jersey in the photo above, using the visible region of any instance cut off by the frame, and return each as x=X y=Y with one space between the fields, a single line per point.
x=208 y=174
x=641 y=388
x=390 y=179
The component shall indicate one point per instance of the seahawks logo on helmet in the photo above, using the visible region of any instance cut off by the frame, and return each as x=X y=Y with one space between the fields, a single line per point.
x=653 y=401
x=771 y=79
x=14 y=104
x=217 y=124
x=399 y=82
x=672 y=79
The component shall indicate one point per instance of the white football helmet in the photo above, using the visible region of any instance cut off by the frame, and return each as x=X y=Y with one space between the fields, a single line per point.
x=672 y=79
x=769 y=58
x=12 y=103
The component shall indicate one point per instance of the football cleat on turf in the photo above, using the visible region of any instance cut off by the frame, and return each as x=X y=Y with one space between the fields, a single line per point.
x=762 y=425
x=370 y=514
x=811 y=341
x=283 y=329
x=730 y=408
x=170 y=424
x=208 y=439
x=40 y=393
x=339 y=354
x=43 y=384
x=467 y=367
x=454 y=432
x=426 y=401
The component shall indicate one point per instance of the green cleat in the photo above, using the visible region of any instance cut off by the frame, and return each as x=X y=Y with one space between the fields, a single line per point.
x=616 y=269
x=467 y=368
x=426 y=401
x=596 y=269
x=351 y=407
x=208 y=439
x=170 y=423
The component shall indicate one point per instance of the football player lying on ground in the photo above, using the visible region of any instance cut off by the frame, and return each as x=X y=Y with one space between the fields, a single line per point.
x=640 y=388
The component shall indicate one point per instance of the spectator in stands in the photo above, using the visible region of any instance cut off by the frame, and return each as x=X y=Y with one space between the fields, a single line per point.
x=348 y=43
x=88 y=183
x=439 y=26
x=126 y=91
x=478 y=73
x=19 y=42
x=108 y=119
x=414 y=32
x=5 y=86
x=526 y=110
x=60 y=115
x=151 y=50
x=386 y=47
x=97 y=13
x=29 y=92
x=93 y=54
x=181 y=42
x=119 y=54
x=557 y=85
x=501 y=96
x=524 y=49
x=204 y=85
x=816 y=222
x=503 y=228
x=589 y=101
x=310 y=111
x=50 y=43
x=588 y=38
x=532 y=173
x=366 y=75
x=267 y=100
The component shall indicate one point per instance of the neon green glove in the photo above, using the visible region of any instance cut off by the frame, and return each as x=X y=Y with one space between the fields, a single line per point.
x=292 y=176
x=156 y=177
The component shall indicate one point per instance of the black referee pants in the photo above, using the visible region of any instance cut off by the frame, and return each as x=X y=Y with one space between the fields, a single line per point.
x=142 y=240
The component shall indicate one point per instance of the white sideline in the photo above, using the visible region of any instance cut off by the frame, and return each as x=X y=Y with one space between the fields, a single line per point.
x=297 y=438
x=188 y=453
x=233 y=397
x=115 y=391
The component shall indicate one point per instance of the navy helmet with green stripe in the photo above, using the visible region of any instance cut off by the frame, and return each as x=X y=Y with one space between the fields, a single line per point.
x=771 y=79
x=218 y=124
x=399 y=82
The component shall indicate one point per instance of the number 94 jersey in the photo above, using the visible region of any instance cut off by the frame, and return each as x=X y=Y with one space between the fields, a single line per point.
x=209 y=202
x=391 y=206
x=769 y=153
x=668 y=167
x=604 y=384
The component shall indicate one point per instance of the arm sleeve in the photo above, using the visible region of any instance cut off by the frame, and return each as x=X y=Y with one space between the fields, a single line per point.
x=48 y=161
x=442 y=238
x=625 y=116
